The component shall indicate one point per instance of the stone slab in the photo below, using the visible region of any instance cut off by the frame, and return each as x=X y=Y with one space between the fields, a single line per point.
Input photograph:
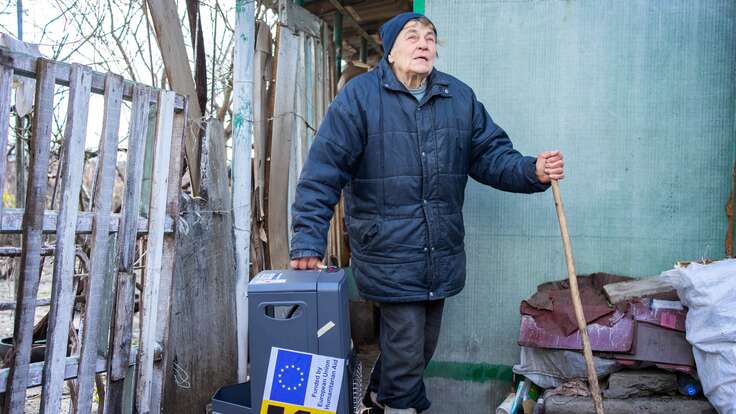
x=652 y=405
x=640 y=383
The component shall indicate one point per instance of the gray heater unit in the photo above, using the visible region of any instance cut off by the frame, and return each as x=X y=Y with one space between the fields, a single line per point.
x=304 y=311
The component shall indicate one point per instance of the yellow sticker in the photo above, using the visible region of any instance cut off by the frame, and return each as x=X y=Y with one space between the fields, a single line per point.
x=275 y=407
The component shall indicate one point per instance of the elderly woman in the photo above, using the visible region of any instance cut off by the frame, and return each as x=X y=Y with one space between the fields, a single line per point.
x=401 y=140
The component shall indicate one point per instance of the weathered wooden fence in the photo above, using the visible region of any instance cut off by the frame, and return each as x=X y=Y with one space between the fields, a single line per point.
x=121 y=232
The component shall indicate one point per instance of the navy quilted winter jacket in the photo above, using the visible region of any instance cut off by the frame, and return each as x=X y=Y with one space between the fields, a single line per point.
x=403 y=165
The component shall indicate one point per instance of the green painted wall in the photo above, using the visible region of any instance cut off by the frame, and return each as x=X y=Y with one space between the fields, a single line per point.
x=640 y=96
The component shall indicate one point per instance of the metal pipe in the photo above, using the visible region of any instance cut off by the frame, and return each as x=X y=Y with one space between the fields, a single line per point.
x=19 y=13
x=419 y=6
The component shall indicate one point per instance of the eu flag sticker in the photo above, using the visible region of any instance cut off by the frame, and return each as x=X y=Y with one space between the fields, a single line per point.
x=304 y=381
x=289 y=383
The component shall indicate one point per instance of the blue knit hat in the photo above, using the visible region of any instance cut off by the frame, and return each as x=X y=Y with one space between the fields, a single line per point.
x=391 y=29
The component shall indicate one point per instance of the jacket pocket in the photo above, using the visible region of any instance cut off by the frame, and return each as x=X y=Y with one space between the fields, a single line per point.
x=453 y=230
x=363 y=232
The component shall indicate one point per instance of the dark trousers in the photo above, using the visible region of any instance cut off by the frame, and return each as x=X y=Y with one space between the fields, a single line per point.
x=407 y=340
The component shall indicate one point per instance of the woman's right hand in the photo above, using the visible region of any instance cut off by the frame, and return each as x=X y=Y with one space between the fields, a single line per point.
x=306 y=263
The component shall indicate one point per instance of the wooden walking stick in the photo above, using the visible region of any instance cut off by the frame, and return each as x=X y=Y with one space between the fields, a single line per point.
x=576 y=303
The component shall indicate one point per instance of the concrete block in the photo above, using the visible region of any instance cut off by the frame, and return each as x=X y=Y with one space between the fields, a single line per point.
x=559 y=404
x=640 y=383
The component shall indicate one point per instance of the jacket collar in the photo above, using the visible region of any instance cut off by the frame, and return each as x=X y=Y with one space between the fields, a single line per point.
x=437 y=84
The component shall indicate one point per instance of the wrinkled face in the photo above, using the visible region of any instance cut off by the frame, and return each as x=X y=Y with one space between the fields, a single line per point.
x=414 y=50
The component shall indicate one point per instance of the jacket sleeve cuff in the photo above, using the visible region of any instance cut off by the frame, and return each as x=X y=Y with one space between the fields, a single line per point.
x=530 y=170
x=299 y=253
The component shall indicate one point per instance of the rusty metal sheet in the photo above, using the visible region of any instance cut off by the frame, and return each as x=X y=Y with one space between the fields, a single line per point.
x=616 y=338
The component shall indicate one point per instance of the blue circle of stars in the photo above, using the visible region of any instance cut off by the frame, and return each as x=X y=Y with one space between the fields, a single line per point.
x=291 y=377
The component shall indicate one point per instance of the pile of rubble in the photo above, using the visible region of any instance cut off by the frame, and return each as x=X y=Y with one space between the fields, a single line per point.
x=643 y=341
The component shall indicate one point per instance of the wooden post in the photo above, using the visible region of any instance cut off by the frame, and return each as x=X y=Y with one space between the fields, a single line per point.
x=32 y=228
x=152 y=276
x=242 y=168
x=102 y=207
x=121 y=331
x=173 y=51
x=62 y=293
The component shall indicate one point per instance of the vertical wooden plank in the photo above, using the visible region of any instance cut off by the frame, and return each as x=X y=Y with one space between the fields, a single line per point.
x=297 y=142
x=329 y=58
x=102 y=206
x=333 y=73
x=148 y=164
x=108 y=299
x=301 y=104
x=20 y=162
x=30 y=260
x=311 y=84
x=62 y=294
x=6 y=81
x=242 y=168
x=319 y=87
x=260 y=112
x=179 y=131
x=328 y=83
x=281 y=142
x=203 y=299
x=152 y=276
x=121 y=331
x=261 y=115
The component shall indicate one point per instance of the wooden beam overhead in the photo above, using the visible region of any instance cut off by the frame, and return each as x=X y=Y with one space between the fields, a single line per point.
x=323 y=7
x=360 y=30
x=354 y=14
